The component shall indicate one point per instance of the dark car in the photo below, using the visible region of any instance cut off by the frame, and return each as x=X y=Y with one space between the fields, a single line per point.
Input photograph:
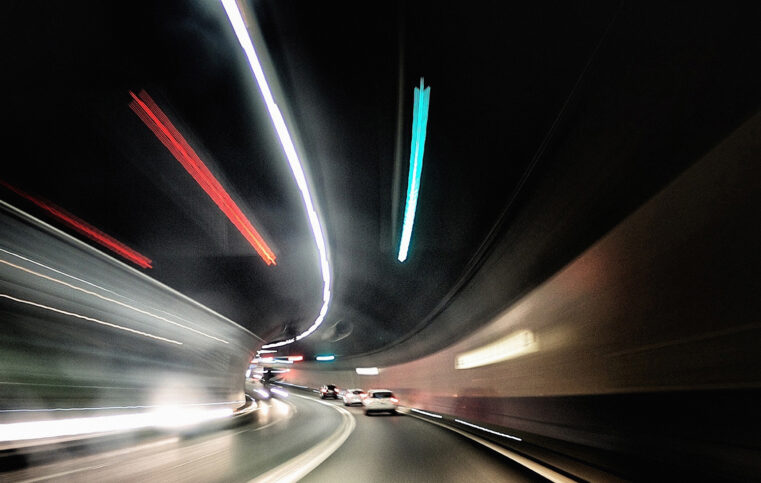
x=329 y=390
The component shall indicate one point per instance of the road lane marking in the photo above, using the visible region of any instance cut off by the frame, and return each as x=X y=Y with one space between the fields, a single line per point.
x=298 y=467
x=521 y=460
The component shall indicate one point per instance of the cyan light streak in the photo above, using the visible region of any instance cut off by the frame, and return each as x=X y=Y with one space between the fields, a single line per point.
x=417 y=147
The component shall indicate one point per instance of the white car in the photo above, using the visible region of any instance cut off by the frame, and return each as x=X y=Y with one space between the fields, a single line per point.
x=378 y=400
x=353 y=396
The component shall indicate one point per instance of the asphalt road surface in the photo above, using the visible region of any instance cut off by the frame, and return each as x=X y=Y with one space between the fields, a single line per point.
x=295 y=438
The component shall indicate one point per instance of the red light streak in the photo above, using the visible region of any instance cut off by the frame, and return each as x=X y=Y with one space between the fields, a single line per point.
x=155 y=119
x=86 y=229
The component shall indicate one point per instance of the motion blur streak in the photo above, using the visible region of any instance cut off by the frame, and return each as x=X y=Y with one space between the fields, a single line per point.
x=164 y=417
x=57 y=271
x=367 y=371
x=155 y=119
x=417 y=148
x=108 y=324
x=488 y=430
x=86 y=229
x=108 y=408
x=110 y=300
x=236 y=19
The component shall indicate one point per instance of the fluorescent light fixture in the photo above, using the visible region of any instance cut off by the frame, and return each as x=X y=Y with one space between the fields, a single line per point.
x=266 y=351
x=417 y=147
x=367 y=371
x=487 y=430
x=239 y=26
x=514 y=345
x=326 y=358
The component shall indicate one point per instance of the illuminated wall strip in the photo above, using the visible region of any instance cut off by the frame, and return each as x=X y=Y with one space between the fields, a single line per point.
x=167 y=417
x=417 y=148
x=488 y=430
x=88 y=292
x=159 y=123
x=83 y=317
x=111 y=408
x=239 y=26
x=86 y=229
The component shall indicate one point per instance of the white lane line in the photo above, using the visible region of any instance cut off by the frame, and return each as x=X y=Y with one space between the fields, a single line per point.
x=64 y=473
x=299 y=466
x=521 y=460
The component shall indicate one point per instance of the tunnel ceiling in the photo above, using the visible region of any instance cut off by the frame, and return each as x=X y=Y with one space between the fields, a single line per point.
x=549 y=123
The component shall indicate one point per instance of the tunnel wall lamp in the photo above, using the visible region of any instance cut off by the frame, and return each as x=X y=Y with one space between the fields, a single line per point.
x=417 y=147
x=241 y=32
x=367 y=371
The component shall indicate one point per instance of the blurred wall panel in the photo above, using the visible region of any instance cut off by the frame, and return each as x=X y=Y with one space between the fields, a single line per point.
x=82 y=330
x=647 y=343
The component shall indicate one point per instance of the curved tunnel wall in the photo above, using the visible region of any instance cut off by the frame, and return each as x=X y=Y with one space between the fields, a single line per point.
x=647 y=344
x=82 y=330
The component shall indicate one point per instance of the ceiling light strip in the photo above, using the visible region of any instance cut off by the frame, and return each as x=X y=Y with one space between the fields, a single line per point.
x=239 y=26
x=417 y=147
x=157 y=121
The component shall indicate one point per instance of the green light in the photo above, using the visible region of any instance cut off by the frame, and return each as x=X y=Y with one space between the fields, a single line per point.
x=325 y=358
x=417 y=147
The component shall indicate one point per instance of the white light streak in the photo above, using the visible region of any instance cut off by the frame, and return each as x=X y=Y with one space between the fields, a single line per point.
x=97 y=321
x=122 y=304
x=163 y=417
x=236 y=19
x=487 y=430
x=278 y=391
x=367 y=371
x=111 y=408
x=426 y=413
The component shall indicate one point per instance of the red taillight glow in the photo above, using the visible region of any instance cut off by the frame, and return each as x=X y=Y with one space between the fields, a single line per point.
x=86 y=229
x=159 y=123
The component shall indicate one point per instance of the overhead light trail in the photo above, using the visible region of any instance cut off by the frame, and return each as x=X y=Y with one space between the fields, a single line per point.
x=417 y=147
x=236 y=19
x=86 y=229
x=153 y=117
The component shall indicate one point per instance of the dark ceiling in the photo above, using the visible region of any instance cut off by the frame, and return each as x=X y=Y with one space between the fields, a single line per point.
x=549 y=122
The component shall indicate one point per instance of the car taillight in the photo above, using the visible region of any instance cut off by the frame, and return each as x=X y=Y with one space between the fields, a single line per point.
x=395 y=400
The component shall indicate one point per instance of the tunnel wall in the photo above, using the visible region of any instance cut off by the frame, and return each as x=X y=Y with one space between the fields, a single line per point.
x=83 y=330
x=648 y=342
